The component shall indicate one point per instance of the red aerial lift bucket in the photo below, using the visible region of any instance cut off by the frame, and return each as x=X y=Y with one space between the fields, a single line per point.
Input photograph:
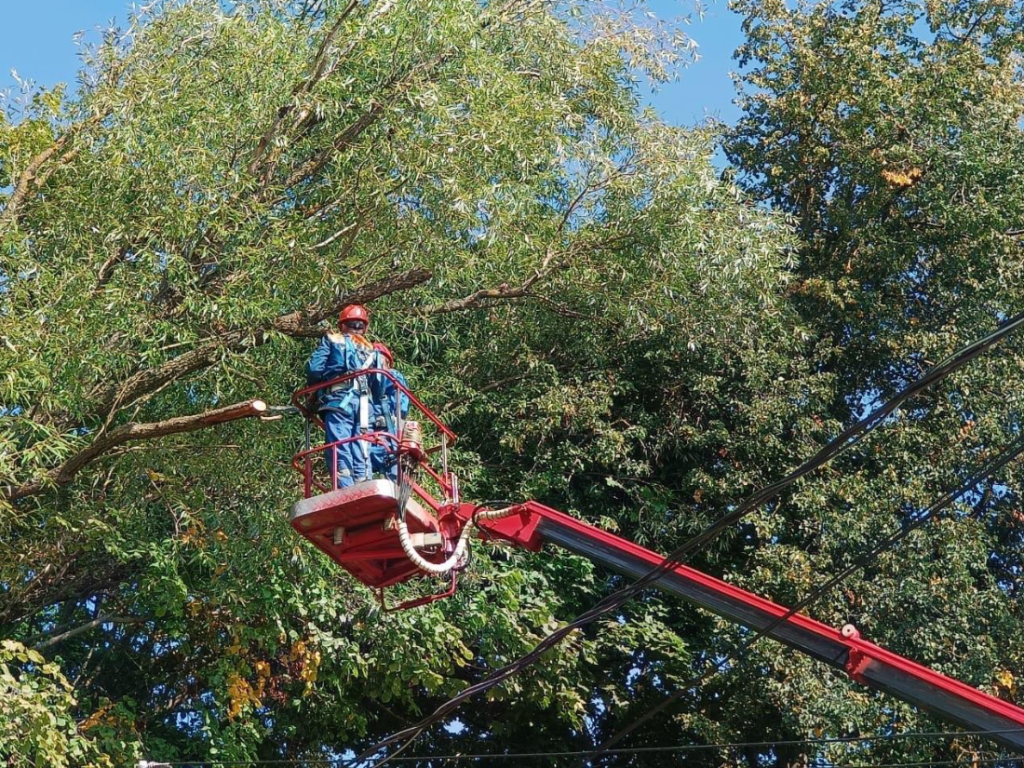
x=355 y=527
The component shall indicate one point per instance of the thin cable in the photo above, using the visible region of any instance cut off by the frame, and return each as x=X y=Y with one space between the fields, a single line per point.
x=1008 y=454
x=345 y=762
x=847 y=439
x=933 y=763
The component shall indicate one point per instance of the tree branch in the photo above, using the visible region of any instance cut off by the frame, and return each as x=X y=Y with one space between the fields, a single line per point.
x=504 y=292
x=106 y=270
x=299 y=324
x=478 y=299
x=86 y=627
x=132 y=432
x=32 y=176
x=28 y=177
x=319 y=71
x=307 y=324
x=344 y=140
x=63 y=585
x=348 y=136
x=347 y=229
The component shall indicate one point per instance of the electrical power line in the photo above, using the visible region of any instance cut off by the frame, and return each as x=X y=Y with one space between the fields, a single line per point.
x=845 y=440
x=1011 y=452
x=345 y=762
x=970 y=760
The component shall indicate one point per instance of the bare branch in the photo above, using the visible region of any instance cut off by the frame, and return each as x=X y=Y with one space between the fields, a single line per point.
x=98 y=621
x=504 y=292
x=343 y=231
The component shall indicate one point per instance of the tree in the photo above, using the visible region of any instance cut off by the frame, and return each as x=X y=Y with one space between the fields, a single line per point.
x=889 y=132
x=599 y=312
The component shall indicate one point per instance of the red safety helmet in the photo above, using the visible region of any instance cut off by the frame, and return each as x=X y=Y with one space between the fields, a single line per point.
x=383 y=349
x=354 y=312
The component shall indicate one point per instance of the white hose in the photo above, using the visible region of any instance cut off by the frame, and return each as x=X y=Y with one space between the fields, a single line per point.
x=459 y=554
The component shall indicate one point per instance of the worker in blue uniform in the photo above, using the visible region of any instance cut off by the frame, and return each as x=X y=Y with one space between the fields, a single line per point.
x=390 y=407
x=339 y=406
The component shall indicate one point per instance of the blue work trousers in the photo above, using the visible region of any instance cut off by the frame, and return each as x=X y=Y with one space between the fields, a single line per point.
x=339 y=426
x=384 y=461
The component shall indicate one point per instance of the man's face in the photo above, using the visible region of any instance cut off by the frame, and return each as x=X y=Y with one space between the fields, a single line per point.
x=354 y=326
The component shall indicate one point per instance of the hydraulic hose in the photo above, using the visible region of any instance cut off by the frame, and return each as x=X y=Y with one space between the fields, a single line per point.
x=458 y=556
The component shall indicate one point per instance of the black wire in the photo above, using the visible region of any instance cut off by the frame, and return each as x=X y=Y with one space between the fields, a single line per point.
x=406 y=478
x=823 y=741
x=933 y=763
x=1005 y=457
x=845 y=440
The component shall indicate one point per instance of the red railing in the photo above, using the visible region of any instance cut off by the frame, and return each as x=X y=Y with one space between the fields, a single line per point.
x=301 y=398
x=305 y=400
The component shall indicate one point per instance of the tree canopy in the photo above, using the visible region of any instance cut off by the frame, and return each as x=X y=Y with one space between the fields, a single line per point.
x=613 y=326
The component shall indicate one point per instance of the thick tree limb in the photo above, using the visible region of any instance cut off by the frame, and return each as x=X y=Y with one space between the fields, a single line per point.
x=28 y=178
x=132 y=432
x=300 y=324
x=478 y=299
x=307 y=324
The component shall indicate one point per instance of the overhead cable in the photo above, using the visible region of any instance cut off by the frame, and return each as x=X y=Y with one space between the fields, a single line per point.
x=1008 y=454
x=845 y=440
x=347 y=762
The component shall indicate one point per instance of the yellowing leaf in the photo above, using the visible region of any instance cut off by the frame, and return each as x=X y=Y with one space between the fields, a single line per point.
x=902 y=180
x=1006 y=679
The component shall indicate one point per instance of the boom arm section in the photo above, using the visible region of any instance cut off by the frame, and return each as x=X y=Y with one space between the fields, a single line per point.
x=534 y=525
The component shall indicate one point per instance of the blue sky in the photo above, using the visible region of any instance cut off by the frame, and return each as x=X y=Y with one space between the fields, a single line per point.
x=36 y=40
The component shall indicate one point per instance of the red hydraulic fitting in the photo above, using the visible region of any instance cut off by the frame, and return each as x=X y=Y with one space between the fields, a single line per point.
x=411 y=441
x=857 y=660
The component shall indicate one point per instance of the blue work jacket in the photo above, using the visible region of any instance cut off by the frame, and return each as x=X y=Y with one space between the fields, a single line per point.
x=336 y=355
